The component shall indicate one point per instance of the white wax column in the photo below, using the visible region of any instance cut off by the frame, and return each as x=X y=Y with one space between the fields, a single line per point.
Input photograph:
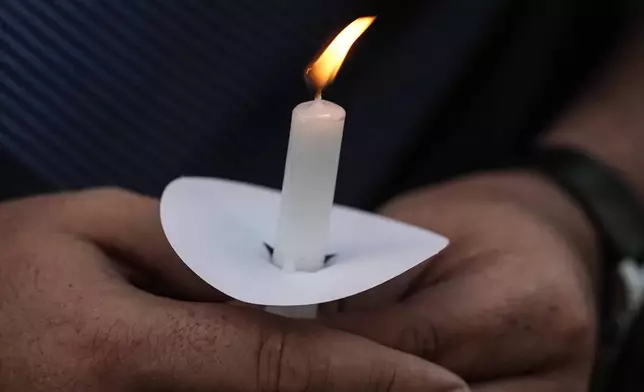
x=309 y=186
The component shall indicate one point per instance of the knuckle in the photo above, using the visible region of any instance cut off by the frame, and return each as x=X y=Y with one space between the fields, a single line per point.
x=286 y=364
x=382 y=379
x=270 y=361
x=577 y=329
x=418 y=336
x=570 y=325
x=572 y=316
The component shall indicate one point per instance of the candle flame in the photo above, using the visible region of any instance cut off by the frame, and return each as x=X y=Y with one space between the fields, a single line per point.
x=323 y=70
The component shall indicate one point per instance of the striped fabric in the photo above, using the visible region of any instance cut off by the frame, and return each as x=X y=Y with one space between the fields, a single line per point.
x=135 y=93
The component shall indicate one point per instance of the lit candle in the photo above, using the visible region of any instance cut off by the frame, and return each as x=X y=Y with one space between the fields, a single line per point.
x=312 y=163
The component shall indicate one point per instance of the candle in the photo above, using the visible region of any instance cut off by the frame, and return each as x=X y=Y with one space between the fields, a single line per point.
x=309 y=185
x=312 y=163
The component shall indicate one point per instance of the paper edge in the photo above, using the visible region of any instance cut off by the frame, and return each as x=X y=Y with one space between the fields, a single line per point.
x=439 y=237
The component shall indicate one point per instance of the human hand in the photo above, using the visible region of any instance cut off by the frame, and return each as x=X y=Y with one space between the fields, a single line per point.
x=74 y=315
x=508 y=305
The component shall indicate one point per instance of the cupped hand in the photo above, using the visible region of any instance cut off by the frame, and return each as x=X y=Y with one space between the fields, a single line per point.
x=85 y=286
x=509 y=304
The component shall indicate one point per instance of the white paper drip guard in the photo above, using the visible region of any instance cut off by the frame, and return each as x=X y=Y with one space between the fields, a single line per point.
x=219 y=229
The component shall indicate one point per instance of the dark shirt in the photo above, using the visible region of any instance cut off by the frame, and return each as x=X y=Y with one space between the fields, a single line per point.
x=135 y=93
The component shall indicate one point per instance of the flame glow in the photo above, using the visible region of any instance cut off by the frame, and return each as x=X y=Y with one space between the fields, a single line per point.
x=323 y=70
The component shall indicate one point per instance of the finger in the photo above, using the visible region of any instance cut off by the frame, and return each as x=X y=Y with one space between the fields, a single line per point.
x=129 y=226
x=445 y=325
x=217 y=347
x=386 y=294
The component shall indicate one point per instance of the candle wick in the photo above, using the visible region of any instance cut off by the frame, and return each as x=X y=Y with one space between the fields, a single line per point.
x=318 y=94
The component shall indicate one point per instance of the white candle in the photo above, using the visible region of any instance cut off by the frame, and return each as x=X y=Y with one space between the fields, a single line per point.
x=309 y=185
x=311 y=170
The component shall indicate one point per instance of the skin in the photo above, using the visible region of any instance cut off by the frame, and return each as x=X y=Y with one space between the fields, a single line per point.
x=509 y=305
x=78 y=314
x=93 y=299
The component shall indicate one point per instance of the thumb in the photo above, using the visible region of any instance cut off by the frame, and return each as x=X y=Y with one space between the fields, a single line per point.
x=223 y=348
x=128 y=227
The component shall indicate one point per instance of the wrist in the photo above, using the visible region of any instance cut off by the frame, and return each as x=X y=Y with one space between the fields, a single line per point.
x=608 y=137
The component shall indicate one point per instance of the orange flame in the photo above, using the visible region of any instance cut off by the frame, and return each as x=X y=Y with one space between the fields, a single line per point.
x=323 y=70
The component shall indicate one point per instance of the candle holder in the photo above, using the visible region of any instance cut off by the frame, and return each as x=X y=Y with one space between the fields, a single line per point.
x=223 y=230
